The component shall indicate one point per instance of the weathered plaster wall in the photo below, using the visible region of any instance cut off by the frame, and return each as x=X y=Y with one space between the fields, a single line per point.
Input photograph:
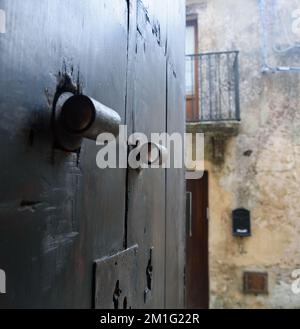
x=261 y=170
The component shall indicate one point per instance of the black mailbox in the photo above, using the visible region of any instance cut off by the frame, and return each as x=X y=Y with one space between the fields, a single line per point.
x=241 y=222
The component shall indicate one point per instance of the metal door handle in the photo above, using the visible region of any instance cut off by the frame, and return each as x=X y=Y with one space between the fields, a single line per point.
x=78 y=117
x=151 y=154
x=189 y=206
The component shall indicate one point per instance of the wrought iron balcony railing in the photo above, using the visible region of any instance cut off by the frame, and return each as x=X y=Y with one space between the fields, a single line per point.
x=212 y=87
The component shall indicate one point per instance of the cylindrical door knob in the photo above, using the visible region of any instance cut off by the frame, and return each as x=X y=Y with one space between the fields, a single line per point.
x=79 y=116
x=153 y=154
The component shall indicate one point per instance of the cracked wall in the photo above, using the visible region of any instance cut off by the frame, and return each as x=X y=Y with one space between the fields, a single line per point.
x=261 y=169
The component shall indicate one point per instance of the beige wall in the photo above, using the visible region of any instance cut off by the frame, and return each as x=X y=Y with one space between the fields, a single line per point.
x=268 y=181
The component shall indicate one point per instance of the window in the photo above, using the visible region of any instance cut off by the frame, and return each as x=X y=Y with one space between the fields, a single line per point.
x=190 y=49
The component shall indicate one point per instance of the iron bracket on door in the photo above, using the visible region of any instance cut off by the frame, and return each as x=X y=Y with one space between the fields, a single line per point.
x=116 y=279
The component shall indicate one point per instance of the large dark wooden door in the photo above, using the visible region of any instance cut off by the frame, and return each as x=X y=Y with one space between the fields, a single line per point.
x=73 y=235
x=197 y=274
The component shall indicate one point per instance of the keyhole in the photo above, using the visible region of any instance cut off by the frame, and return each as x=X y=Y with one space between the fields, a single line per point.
x=125 y=303
x=149 y=272
x=116 y=295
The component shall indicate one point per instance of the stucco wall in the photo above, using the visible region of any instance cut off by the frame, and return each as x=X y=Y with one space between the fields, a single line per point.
x=261 y=169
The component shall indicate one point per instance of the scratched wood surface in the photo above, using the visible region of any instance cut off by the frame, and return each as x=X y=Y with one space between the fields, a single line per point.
x=59 y=213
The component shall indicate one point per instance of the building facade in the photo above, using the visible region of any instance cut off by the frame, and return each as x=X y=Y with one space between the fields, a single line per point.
x=252 y=148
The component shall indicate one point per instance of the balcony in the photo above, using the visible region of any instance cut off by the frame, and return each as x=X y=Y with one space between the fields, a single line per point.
x=212 y=92
x=213 y=99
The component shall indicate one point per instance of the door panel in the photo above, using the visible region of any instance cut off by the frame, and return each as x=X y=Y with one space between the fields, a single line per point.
x=197 y=279
x=146 y=208
x=175 y=230
x=56 y=216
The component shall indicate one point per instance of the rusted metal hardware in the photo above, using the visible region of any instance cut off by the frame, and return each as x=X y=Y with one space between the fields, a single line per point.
x=78 y=117
x=154 y=154
x=149 y=154
x=116 y=280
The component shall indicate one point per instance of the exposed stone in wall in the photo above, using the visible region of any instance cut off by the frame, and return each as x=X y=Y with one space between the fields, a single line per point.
x=261 y=168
